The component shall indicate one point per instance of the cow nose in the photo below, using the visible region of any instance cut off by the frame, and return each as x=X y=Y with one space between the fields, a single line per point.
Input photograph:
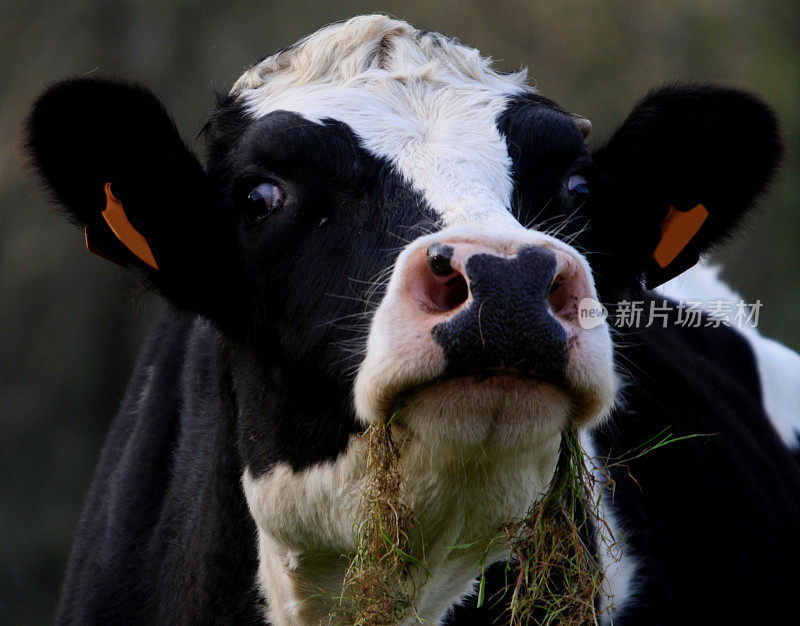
x=498 y=307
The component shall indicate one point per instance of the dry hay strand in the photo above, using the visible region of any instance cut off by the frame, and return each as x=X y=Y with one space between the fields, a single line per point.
x=381 y=581
x=559 y=577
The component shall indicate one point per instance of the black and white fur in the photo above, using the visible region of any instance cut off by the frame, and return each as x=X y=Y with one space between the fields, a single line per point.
x=228 y=486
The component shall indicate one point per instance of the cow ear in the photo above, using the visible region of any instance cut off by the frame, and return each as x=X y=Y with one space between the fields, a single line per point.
x=678 y=176
x=114 y=159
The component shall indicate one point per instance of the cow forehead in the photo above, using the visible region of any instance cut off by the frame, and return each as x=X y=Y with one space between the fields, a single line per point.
x=446 y=145
x=426 y=104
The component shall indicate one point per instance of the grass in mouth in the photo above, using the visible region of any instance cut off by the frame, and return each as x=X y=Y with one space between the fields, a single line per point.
x=381 y=581
x=554 y=575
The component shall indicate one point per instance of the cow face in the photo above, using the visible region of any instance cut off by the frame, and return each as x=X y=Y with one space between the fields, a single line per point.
x=388 y=228
x=386 y=157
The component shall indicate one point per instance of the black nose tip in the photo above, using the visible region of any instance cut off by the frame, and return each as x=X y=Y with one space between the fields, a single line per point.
x=507 y=325
x=439 y=256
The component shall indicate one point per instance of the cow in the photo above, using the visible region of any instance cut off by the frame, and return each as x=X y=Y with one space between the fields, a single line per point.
x=389 y=230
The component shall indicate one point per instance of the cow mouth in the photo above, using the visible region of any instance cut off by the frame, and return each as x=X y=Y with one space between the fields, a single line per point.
x=495 y=408
x=482 y=378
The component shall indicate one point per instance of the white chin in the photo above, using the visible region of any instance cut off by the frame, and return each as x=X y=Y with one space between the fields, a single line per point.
x=503 y=411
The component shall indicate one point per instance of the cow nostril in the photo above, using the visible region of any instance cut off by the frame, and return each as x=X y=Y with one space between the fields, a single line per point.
x=562 y=296
x=454 y=294
x=439 y=287
x=444 y=293
x=556 y=295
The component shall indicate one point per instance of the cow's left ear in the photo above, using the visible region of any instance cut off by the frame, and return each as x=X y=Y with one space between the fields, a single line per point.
x=677 y=177
x=116 y=163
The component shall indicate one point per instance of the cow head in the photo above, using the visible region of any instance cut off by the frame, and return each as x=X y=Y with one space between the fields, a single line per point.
x=388 y=228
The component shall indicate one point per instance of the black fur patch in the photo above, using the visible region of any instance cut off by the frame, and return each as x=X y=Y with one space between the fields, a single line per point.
x=309 y=267
x=546 y=147
x=166 y=536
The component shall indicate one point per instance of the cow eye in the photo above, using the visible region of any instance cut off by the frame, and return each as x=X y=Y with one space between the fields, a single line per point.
x=263 y=201
x=577 y=185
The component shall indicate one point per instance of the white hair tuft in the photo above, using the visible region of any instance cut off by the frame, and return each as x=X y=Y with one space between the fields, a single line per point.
x=372 y=48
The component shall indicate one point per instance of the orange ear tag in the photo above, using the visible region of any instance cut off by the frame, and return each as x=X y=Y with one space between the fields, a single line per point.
x=677 y=230
x=99 y=250
x=117 y=221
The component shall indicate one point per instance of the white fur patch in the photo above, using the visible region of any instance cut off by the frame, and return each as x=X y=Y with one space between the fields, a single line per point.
x=427 y=105
x=778 y=366
x=306 y=520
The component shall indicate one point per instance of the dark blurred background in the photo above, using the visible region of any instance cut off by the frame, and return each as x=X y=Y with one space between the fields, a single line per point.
x=70 y=323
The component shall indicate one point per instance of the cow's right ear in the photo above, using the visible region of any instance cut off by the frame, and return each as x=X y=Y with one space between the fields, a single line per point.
x=114 y=159
x=678 y=176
